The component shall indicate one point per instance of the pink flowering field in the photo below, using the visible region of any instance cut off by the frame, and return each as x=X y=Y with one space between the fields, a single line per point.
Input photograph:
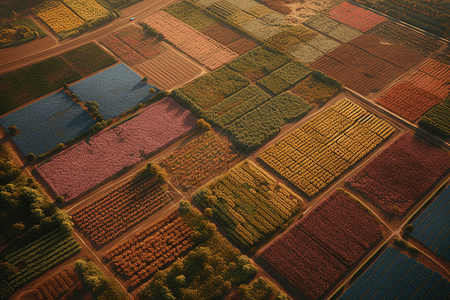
x=202 y=48
x=86 y=164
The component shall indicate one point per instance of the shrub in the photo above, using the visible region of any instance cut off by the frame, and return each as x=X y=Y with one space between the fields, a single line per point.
x=13 y=129
x=144 y=79
x=60 y=146
x=409 y=228
x=60 y=199
x=151 y=90
x=31 y=156
x=160 y=173
x=202 y=124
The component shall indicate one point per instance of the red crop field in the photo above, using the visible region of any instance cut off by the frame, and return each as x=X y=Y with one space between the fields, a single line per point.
x=158 y=245
x=398 y=55
x=433 y=77
x=408 y=101
x=122 y=208
x=357 y=69
x=356 y=17
x=199 y=159
x=137 y=39
x=322 y=245
x=121 y=50
x=230 y=38
x=191 y=41
x=81 y=167
x=401 y=174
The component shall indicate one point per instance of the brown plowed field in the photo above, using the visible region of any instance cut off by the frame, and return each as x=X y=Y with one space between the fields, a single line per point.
x=230 y=38
x=169 y=70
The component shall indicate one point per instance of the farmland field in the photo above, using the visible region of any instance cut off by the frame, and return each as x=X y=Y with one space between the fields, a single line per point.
x=140 y=41
x=156 y=246
x=86 y=164
x=320 y=247
x=191 y=15
x=42 y=254
x=200 y=47
x=431 y=227
x=198 y=160
x=122 y=208
x=49 y=75
x=115 y=89
x=231 y=39
x=399 y=34
x=432 y=77
x=332 y=28
x=355 y=16
x=394 y=275
x=88 y=10
x=59 y=18
x=437 y=119
x=313 y=89
x=169 y=69
x=66 y=283
x=399 y=176
x=249 y=203
x=366 y=64
x=319 y=151
x=46 y=123
x=121 y=50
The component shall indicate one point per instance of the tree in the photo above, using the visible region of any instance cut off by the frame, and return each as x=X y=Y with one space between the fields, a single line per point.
x=180 y=280
x=6 y=270
x=31 y=156
x=60 y=199
x=409 y=228
x=202 y=124
x=152 y=91
x=13 y=129
x=144 y=79
x=18 y=228
x=208 y=212
x=184 y=207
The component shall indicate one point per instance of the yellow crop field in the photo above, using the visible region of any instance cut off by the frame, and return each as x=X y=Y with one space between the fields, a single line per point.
x=60 y=18
x=87 y=9
x=312 y=156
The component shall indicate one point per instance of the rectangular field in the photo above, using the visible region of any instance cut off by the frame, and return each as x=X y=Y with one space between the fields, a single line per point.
x=432 y=226
x=46 y=123
x=394 y=275
x=315 y=89
x=399 y=176
x=86 y=164
x=122 y=208
x=315 y=154
x=437 y=119
x=116 y=90
x=330 y=27
x=88 y=10
x=42 y=254
x=169 y=70
x=121 y=50
x=191 y=41
x=140 y=41
x=59 y=18
x=249 y=203
x=320 y=247
x=354 y=16
x=231 y=39
x=432 y=77
x=158 y=245
x=198 y=160
x=191 y=15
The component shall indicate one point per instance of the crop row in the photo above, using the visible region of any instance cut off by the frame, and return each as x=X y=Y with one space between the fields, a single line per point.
x=437 y=119
x=398 y=176
x=408 y=101
x=197 y=45
x=87 y=9
x=431 y=227
x=394 y=275
x=121 y=50
x=315 y=154
x=50 y=252
x=314 y=90
x=249 y=203
x=60 y=18
x=119 y=210
x=84 y=165
x=432 y=77
x=159 y=244
x=356 y=17
x=199 y=159
x=319 y=248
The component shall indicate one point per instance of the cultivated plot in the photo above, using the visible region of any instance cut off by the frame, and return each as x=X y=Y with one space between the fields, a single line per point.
x=86 y=164
x=116 y=90
x=399 y=176
x=432 y=227
x=332 y=28
x=319 y=151
x=394 y=275
x=320 y=247
x=354 y=16
x=46 y=123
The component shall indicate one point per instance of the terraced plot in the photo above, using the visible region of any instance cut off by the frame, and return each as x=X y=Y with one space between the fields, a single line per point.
x=315 y=154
